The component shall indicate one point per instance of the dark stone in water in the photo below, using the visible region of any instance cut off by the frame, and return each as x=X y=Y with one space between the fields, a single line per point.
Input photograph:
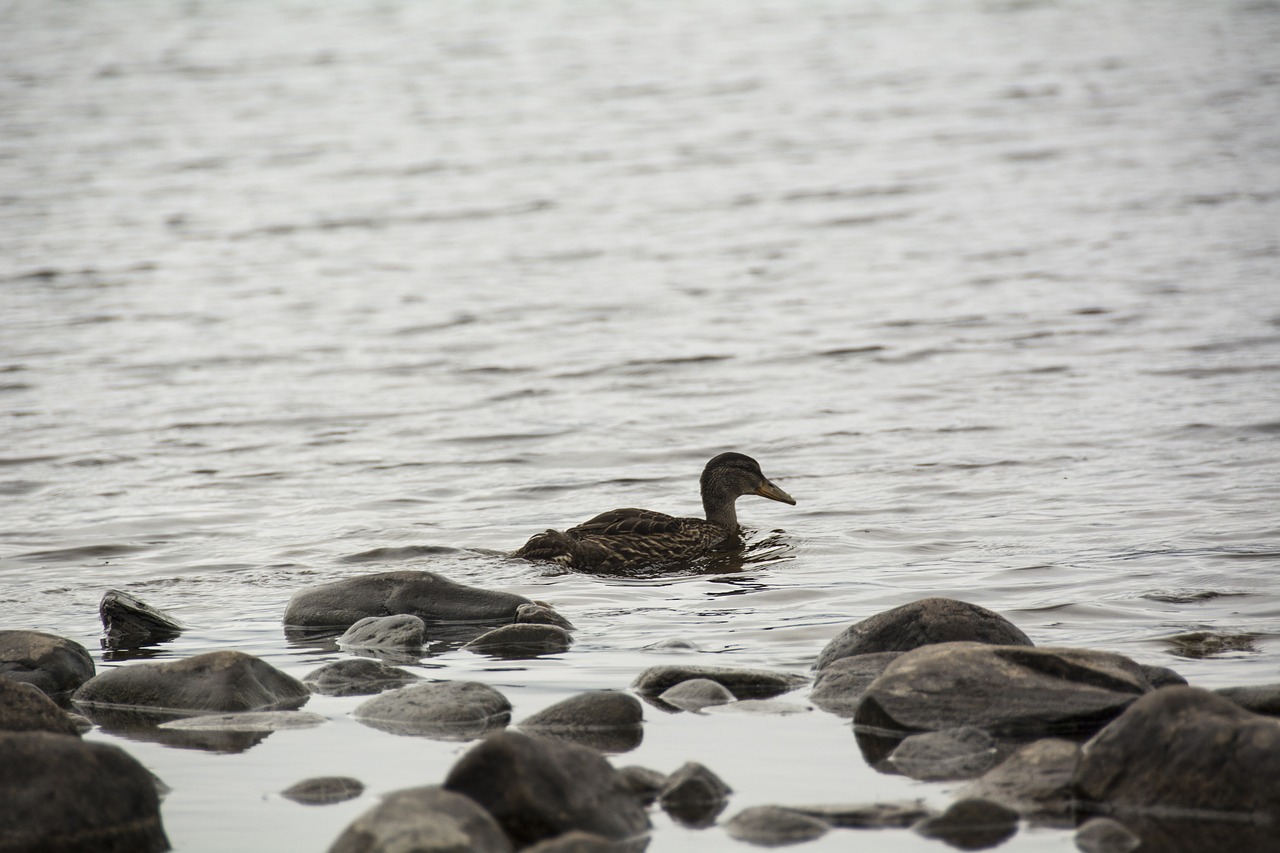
x=1104 y=835
x=1205 y=644
x=644 y=783
x=741 y=682
x=54 y=664
x=400 y=631
x=427 y=595
x=538 y=789
x=694 y=796
x=423 y=819
x=1035 y=781
x=840 y=685
x=61 y=794
x=869 y=815
x=521 y=641
x=696 y=694
x=947 y=754
x=444 y=710
x=538 y=613
x=971 y=825
x=324 y=790
x=922 y=623
x=605 y=720
x=775 y=826
x=25 y=708
x=1007 y=690
x=130 y=622
x=356 y=677
x=1258 y=698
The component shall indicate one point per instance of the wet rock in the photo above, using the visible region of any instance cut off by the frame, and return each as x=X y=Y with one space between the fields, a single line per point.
x=605 y=720
x=840 y=685
x=1207 y=644
x=763 y=707
x=539 y=789
x=356 y=677
x=742 y=683
x=130 y=622
x=25 y=708
x=521 y=641
x=584 y=842
x=396 y=632
x=922 y=623
x=694 y=796
x=971 y=825
x=250 y=721
x=1183 y=748
x=869 y=815
x=423 y=819
x=324 y=790
x=428 y=596
x=671 y=644
x=53 y=664
x=696 y=694
x=64 y=795
x=538 y=613
x=1160 y=676
x=775 y=826
x=213 y=682
x=1007 y=690
x=947 y=754
x=1258 y=698
x=1035 y=781
x=643 y=783
x=444 y=710
x=1104 y=835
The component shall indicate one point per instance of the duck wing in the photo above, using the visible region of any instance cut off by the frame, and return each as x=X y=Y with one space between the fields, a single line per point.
x=631 y=522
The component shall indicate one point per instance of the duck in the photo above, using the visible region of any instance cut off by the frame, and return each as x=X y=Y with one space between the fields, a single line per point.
x=631 y=538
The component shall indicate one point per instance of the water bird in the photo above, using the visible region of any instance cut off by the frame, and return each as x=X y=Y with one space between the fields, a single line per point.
x=630 y=538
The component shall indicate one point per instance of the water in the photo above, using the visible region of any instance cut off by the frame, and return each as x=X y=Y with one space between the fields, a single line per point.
x=989 y=287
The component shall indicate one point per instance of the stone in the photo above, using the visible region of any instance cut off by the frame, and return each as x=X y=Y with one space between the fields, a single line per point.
x=248 y=721
x=356 y=677
x=971 y=825
x=400 y=631
x=62 y=794
x=840 y=685
x=606 y=720
x=763 y=707
x=1007 y=690
x=324 y=790
x=443 y=710
x=696 y=694
x=129 y=622
x=947 y=754
x=775 y=826
x=521 y=641
x=423 y=820
x=54 y=664
x=213 y=682
x=1035 y=781
x=922 y=623
x=694 y=796
x=26 y=708
x=869 y=815
x=538 y=789
x=1160 y=676
x=1105 y=835
x=1258 y=698
x=583 y=842
x=427 y=595
x=743 y=683
x=645 y=784
x=537 y=613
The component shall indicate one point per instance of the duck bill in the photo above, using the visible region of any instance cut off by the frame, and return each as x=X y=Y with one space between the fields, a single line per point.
x=773 y=493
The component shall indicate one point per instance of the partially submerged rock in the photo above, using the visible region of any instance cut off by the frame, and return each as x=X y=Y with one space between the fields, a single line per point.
x=1105 y=835
x=537 y=613
x=423 y=819
x=644 y=783
x=696 y=694
x=427 y=595
x=869 y=815
x=51 y=663
x=1258 y=698
x=694 y=796
x=775 y=826
x=840 y=685
x=356 y=677
x=971 y=825
x=129 y=622
x=606 y=720
x=444 y=710
x=742 y=682
x=402 y=631
x=960 y=753
x=521 y=641
x=249 y=721
x=1035 y=781
x=324 y=790
x=26 y=708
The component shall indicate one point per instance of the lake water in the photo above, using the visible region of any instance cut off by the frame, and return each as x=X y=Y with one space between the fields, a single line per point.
x=989 y=287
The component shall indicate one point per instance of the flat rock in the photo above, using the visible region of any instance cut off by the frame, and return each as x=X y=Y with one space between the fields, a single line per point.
x=971 y=825
x=26 y=708
x=443 y=710
x=356 y=677
x=1007 y=690
x=62 y=795
x=839 y=686
x=213 y=682
x=427 y=595
x=324 y=790
x=538 y=789
x=775 y=826
x=423 y=819
x=538 y=613
x=869 y=815
x=1105 y=835
x=129 y=622
x=947 y=754
x=248 y=721
x=741 y=682
x=694 y=796
x=922 y=623
x=1258 y=698
x=397 y=632
x=696 y=694
x=1035 y=781
x=525 y=640
x=51 y=663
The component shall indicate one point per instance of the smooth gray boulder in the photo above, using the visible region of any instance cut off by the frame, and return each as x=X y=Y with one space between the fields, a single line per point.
x=213 y=682
x=971 y=825
x=606 y=720
x=775 y=826
x=51 y=663
x=538 y=613
x=839 y=686
x=694 y=796
x=129 y=622
x=696 y=694
x=946 y=754
x=539 y=789
x=26 y=708
x=922 y=623
x=423 y=820
x=397 y=632
x=1258 y=698
x=1006 y=690
x=61 y=794
x=442 y=710
x=1035 y=781
x=356 y=677
x=742 y=682
x=324 y=790
x=525 y=640
x=427 y=595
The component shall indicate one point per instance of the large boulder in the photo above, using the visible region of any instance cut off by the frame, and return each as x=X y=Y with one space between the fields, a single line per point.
x=424 y=820
x=427 y=595
x=54 y=664
x=444 y=710
x=742 y=682
x=25 y=708
x=65 y=795
x=922 y=623
x=129 y=622
x=540 y=788
x=1006 y=690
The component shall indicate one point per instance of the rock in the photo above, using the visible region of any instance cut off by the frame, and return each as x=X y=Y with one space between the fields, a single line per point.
x=741 y=682
x=1258 y=698
x=583 y=842
x=356 y=677
x=604 y=719
x=694 y=796
x=423 y=820
x=1184 y=749
x=971 y=825
x=768 y=707
x=250 y=721
x=869 y=815
x=444 y=710
x=538 y=789
x=947 y=754
x=1007 y=690
x=324 y=790
x=54 y=664
x=212 y=682
x=1160 y=676
x=643 y=783
x=398 y=632
x=840 y=685
x=1104 y=835
x=130 y=622
x=1035 y=781
x=428 y=596
x=25 y=708
x=521 y=641
x=696 y=694
x=64 y=795
x=538 y=613
x=774 y=826
x=671 y=644
x=922 y=623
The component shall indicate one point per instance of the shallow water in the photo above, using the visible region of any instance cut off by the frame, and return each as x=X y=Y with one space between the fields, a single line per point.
x=294 y=292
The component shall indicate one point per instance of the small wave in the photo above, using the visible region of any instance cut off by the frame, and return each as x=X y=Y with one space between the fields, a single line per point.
x=83 y=552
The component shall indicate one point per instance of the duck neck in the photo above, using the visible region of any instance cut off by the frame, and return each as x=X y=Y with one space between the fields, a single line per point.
x=721 y=510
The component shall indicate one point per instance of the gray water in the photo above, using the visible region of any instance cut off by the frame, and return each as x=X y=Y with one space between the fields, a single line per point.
x=294 y=292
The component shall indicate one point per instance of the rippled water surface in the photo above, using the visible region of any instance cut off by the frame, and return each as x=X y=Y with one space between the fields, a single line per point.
x=298 y=291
